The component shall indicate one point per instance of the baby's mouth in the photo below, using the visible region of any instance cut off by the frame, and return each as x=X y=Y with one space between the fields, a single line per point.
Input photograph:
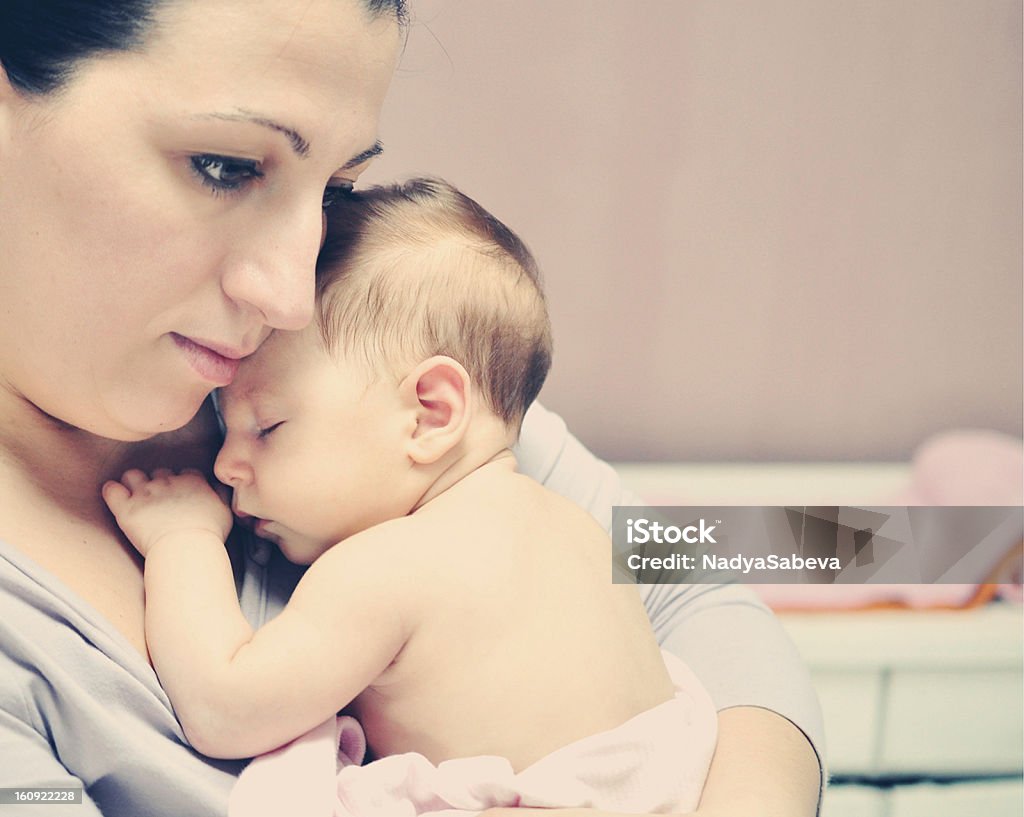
x=256 y=524
x=262 y=530
x=245 y=519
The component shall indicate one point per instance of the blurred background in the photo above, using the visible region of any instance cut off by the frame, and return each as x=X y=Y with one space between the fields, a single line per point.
x=770 y=231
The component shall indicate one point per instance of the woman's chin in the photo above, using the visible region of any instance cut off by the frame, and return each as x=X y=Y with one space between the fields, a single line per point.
x=132 y=421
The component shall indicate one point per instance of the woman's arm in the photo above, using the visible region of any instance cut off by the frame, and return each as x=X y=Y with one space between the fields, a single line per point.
x=770 y=728
x=763 y=767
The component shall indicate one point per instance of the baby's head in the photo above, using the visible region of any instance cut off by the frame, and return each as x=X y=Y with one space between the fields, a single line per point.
x=431 y=340
x=419 y=269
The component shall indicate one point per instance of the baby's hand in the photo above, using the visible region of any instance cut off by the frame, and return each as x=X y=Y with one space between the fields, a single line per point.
x=149 y=509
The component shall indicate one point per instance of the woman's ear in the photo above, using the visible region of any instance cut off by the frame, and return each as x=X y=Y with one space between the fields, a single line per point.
x=439 y=391
x=8 y=96
x=6 y=86
x=11 y=101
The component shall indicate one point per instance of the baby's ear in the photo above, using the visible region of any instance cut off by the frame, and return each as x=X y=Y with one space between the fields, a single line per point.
x=439 y=391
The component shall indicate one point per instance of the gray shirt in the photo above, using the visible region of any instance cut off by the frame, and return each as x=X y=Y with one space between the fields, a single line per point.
x=79 y=706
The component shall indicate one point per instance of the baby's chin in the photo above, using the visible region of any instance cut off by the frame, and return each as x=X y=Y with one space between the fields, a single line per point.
x=296 y=549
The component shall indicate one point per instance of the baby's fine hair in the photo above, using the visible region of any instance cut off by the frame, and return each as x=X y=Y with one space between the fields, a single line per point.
x=418 y=269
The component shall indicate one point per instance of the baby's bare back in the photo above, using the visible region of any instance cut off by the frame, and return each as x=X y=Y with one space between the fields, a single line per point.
x=520 y=643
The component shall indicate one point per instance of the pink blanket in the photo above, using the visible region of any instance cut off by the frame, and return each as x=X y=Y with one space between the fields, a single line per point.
x=655 y=762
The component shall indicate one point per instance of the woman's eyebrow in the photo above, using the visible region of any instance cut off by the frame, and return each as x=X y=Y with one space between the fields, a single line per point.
x=367 y=154
x=297 y=141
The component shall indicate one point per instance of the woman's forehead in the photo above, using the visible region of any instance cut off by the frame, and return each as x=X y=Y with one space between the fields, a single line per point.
x=303 y=69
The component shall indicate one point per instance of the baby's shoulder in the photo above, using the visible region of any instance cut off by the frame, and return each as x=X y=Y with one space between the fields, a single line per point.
x=393 y=543
x=521 y=528
x=380 y=566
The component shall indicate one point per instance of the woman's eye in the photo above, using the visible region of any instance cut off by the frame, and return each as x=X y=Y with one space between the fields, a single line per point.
x=222 y=173
x=266 y=432
x=335 y=193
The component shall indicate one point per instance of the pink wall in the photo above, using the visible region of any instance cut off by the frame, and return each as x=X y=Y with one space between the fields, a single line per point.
x=786 y=230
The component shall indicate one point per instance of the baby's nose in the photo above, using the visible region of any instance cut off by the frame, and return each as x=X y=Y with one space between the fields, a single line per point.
x=231 y=469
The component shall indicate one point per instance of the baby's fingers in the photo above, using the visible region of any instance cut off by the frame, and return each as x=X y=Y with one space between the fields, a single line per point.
x=118 y=494
x=115 y=495
x=133 y=479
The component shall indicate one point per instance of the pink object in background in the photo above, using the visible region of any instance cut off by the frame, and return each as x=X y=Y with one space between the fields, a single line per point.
x=964 y=467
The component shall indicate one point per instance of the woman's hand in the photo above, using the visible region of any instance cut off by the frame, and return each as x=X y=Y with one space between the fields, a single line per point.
x=763 y=767
x=150 y=509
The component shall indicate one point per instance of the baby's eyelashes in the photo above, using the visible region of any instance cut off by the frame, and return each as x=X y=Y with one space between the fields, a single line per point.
x=267 y=430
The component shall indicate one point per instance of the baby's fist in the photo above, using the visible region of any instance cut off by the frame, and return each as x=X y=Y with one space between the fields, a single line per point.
x=148 y=509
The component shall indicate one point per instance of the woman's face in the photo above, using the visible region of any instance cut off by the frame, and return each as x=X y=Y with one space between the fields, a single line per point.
x=161 y=214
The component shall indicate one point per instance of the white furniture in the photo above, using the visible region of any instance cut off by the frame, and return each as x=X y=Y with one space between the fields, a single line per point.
x=923 y=709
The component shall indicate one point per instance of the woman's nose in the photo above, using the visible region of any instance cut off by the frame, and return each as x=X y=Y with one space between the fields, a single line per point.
x=272 y=269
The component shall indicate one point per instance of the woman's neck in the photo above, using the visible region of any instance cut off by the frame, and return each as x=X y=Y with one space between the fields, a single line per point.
x=47 y=460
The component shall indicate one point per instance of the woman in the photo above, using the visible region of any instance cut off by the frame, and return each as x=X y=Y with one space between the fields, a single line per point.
x=163 y=168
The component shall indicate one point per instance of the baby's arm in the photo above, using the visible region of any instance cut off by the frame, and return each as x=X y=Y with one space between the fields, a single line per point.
x=238 y=693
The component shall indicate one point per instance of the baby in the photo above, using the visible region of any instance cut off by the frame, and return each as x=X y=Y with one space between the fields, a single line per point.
x=457 y=608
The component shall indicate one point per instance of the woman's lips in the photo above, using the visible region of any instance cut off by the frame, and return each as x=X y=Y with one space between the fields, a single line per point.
x=208 y=364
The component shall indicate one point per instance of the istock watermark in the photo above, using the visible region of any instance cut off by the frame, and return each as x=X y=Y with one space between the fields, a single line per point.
x=643 y=530
x=814 y=544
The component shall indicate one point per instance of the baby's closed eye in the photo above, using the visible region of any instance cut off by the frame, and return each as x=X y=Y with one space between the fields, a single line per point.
x=268 y=430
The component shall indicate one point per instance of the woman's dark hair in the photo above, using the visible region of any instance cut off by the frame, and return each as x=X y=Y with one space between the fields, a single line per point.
x=42 y=41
